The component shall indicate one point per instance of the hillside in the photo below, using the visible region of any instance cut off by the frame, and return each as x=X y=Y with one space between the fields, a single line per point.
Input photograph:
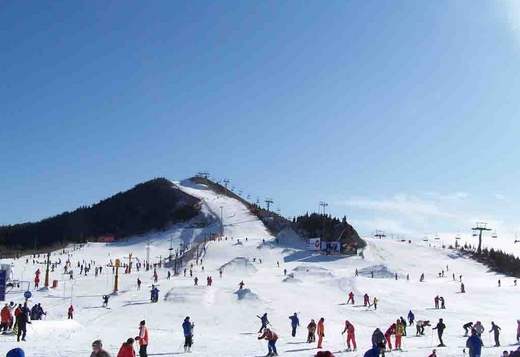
x=152 y=205
x=308 y=226
x=225 y=319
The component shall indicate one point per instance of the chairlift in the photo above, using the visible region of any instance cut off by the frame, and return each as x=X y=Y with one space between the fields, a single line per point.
x=457 y=238
x=494 y=235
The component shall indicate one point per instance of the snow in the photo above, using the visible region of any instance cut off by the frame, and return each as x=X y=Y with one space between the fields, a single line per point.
x=225 y=318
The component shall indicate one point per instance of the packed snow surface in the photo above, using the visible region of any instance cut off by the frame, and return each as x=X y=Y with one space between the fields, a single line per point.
x=225 y=318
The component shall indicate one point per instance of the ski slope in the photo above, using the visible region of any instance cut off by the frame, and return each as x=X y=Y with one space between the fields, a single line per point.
x=226 y=322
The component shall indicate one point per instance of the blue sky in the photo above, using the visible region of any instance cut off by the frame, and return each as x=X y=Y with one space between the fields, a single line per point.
x=403 y=115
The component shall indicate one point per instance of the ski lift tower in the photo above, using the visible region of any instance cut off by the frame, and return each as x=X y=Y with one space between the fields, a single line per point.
x=379 y=234
x=226 y=183
x=323 y=206
x=480 y=227
x=269 y=202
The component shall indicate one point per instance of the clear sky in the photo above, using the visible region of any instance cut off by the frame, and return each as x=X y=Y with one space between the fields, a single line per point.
x=402 y=115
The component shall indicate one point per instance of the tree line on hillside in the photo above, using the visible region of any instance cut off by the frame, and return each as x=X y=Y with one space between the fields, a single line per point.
x=328 y=228
x=497 y=260
x=152 y=205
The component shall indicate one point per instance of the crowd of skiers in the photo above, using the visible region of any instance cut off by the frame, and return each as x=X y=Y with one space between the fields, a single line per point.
x=390 y=340
x=14 y=319
x=142 y=340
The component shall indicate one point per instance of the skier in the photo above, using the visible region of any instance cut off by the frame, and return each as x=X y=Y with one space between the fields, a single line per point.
x=411 y=318
x=6 y=317
x=220 y=273
x=399 y=333
x=441 y=299
x=366 y=300
x=264 y=321
x=97 y=349
x=350 y=298
x=105 y=300
x=420 y=325
x=440 y=330
x=375 y=303
x=436 y=301
x=518 y=331
x=388 y=336
x=143 y=339
x=294 y=323
x=462 y=288
x=479 y=328
x=70 y=312
x=403 y=322
x=187 y=328
x=271 y=338
x=311 y=331
x=241 y=285
x=127 y=349
x=474 y=344
x=196 y=281
x=321 y=331
x=496 y=333
x=138 y=284
x=433 y=354
x=378 y=340
x=21 y=321
x=351 y=335
x=499 y=283
x=467 y=327
x=421 y=279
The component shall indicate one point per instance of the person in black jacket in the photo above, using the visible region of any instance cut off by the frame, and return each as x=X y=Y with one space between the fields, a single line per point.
x=496 y=333
x=21 y=321
x=379 y=341
x=440 y=330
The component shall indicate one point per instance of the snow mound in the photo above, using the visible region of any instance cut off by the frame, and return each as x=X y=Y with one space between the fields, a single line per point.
x=246 y=294
x=239 y=265
x=313 y=271
x=291 y=279
x=380 y=272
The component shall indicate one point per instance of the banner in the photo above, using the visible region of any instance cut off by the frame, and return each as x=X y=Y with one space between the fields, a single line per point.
x=333 y=246
x=313 y=244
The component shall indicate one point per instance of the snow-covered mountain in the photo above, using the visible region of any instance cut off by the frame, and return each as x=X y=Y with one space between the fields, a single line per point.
x=225 y=320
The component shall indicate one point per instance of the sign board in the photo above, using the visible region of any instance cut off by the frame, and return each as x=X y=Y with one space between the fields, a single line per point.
x=3 y=280
x=333 y=246
x=27 y=295
x=313 y=244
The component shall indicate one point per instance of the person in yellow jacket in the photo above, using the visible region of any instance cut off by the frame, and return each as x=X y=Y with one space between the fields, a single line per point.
x=399 y=332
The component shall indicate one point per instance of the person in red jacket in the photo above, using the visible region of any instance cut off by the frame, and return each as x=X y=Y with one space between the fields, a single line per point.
x=5 y=317
x=70 y=314
x=351 y=336
x=321 y=332
x=143 y=339
x=350 y=298
x=388 y=336
x=127 y=349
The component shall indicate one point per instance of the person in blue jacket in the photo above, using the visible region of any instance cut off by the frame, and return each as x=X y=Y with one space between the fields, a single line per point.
x=187 y=328
x=373 y=352
x=294 y=323
x=411 y=318
x=474 y=343
x=17 y=352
